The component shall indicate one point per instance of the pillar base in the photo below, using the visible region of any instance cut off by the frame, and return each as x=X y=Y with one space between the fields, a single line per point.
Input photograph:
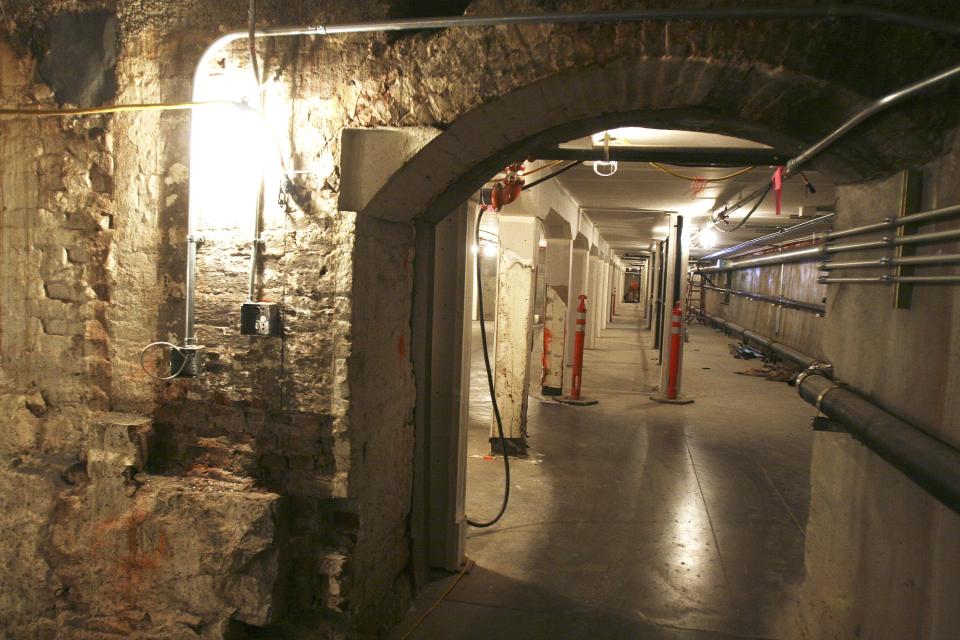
x=516 y=447
x=551 y=391
x=665 y=400
x=580 y=402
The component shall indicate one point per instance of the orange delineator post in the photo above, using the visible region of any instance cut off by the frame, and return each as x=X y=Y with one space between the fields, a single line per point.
x=676 y=335
x=578 y=348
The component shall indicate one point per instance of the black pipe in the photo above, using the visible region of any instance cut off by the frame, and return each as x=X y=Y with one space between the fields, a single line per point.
x=661 y=293
x=717 y=157
x=928 y=461
x=677 y=263
x=780 y=301
x=782 y=351
x=551 y=176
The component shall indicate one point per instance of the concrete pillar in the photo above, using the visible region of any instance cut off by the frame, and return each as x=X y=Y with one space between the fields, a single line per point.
x=579 y=270
x=557 y=267
x=593 y=298
x=514 y=328
x=674 y=290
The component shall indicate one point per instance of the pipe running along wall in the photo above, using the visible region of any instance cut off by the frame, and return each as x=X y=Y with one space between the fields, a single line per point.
x=779 y=301
x=824 y=248
x=928 y=461
x=712 y=14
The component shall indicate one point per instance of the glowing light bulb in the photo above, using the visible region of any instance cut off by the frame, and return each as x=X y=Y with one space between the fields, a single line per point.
x=708 y=238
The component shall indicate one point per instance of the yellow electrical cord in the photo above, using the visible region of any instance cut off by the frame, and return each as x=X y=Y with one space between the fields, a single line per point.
x=694 y=179
x=119 y=108
x=468 y=565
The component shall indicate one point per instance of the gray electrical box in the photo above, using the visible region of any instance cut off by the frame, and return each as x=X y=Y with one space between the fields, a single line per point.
x=260 y=319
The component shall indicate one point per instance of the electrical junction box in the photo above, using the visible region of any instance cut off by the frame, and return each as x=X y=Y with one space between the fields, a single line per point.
x=186 y=362
x=260 y=319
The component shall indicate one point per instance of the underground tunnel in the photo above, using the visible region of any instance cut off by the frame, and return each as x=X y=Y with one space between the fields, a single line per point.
x=489 y=319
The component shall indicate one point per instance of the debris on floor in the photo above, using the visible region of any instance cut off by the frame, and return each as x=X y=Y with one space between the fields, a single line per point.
x=744 y=352
x=771 y=372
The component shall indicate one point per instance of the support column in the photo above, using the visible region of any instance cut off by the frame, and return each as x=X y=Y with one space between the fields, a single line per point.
x=675 y=284
x=593 y=291
x=514 y=328
x=603 y=296
x=579 y=270
x=557 y=276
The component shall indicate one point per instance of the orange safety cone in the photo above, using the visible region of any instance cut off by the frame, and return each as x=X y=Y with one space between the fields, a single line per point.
x=574 y=397
x=673 y=373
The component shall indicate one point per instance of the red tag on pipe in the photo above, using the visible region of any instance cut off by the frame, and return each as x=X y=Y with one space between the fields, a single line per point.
x=777 y=181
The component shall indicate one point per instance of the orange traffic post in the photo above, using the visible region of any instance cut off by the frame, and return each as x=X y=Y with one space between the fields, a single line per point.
x=581 y=327
x=672 y=395
x=676 y=335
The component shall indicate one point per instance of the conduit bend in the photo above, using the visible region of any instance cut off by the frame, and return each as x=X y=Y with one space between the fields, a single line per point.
x=635 y=15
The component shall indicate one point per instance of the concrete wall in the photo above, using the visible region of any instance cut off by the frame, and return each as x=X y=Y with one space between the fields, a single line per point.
x=873 y=536
x=801 y=329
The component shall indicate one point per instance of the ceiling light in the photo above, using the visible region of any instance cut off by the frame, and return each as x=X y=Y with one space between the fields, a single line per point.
x=708 y=238
x=606 y=167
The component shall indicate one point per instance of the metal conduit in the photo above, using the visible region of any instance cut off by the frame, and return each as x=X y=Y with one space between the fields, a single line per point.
x=780 y=301
x=824 y=249
x=890 y=223
x=928 y=461
x=933 y=260
x=890 y=279
x=725 y=13
x=770 y=236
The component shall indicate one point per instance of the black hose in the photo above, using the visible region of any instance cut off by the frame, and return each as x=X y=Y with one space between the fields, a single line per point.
x=493 y=395
x=252 y=41
x=549 y=177
x=756 y=206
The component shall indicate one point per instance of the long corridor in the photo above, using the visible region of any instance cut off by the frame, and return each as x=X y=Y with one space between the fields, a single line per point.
x=634 y=519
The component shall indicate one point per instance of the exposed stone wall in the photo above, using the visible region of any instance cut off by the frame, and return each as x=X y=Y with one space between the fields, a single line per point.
x=286 y=469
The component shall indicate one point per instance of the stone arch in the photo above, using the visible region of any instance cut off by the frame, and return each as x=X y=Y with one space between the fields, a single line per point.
x=692 y=93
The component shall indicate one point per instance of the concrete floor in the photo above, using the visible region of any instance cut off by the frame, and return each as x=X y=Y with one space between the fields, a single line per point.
x=632 y=519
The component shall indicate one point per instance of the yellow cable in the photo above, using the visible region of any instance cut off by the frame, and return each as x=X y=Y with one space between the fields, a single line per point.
x=119 y=108
x=466 y=569
x=694 y=179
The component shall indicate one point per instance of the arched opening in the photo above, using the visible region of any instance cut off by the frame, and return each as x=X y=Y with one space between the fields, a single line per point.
x=456 y=164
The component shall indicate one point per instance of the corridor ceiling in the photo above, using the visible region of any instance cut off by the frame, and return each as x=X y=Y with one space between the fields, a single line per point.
x=628 y=207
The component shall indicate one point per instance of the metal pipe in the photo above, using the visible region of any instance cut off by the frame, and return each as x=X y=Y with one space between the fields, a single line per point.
x=780 y=301
x=931 y=463
x=939 y=259
x=824 y=249
x=726 y=13
x=770 y=236
x=780 y=257
x=872 y=109
x=887 y=279
x=780 y=350
x=705 y=157
x=883 y=103
x=891 y=223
